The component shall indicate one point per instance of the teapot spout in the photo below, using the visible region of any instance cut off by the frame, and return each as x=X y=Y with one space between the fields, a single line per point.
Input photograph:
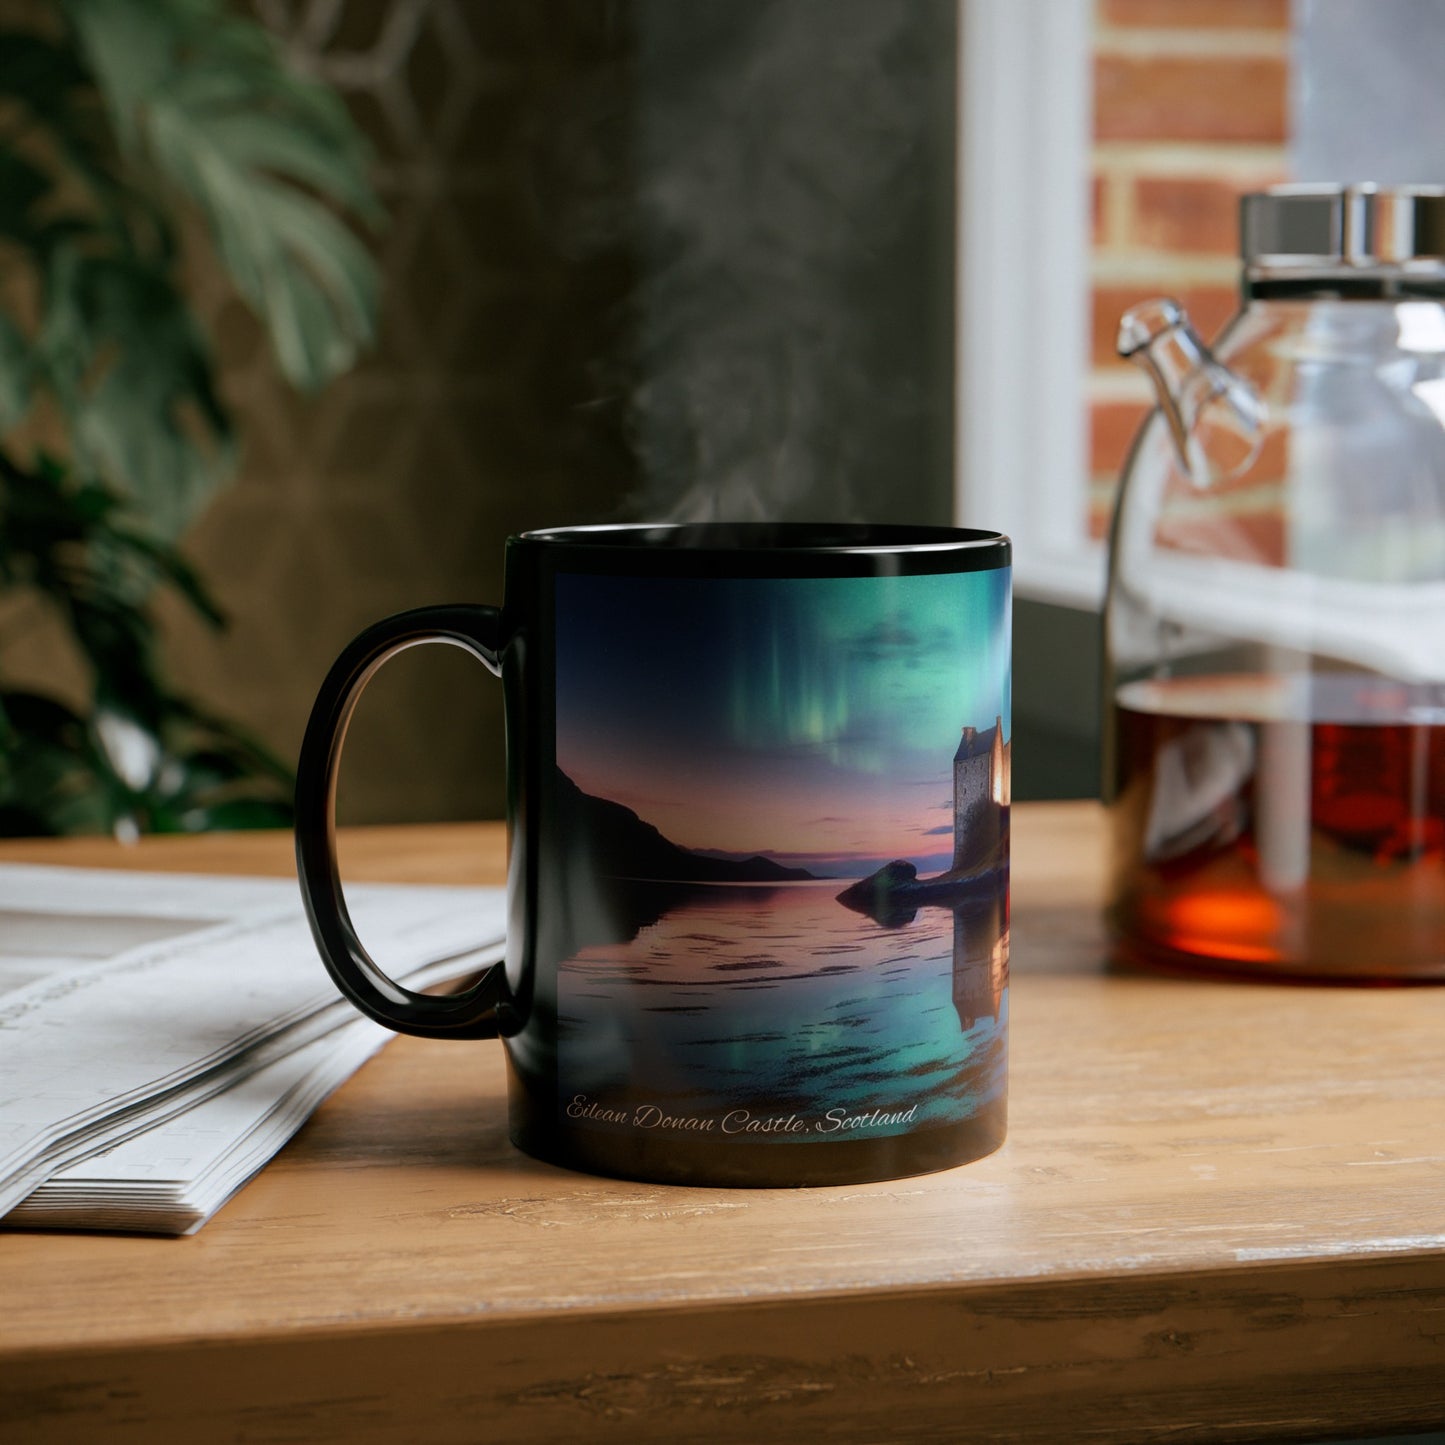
x=1215 y=417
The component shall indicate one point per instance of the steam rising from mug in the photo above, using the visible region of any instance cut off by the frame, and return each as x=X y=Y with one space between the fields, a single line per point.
x=777 y=206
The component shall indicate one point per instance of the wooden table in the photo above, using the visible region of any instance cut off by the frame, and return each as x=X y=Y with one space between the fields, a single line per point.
x=1220 y=1215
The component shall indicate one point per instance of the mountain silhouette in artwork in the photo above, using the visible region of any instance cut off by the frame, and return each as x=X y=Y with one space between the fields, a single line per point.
x=622 y=845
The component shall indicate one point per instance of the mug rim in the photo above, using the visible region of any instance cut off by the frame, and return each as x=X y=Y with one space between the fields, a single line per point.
x=815 y=539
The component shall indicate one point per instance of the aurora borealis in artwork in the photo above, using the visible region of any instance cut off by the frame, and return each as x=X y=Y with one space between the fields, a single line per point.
x=808 y=720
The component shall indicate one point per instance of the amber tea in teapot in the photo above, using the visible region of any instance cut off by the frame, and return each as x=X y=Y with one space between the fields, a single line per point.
x=1263 y=839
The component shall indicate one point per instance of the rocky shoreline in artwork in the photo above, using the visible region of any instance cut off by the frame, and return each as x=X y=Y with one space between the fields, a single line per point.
x=894 y=893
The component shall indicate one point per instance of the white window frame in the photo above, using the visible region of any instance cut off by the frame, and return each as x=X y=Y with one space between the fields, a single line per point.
x=1025 y=136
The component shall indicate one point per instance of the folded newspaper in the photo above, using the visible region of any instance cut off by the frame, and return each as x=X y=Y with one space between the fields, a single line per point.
x=162 y=1035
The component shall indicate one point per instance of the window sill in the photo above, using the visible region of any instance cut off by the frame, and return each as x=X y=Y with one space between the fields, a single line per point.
x=1073 y=578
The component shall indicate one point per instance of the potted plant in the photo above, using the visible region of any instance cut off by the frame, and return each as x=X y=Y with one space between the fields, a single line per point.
x=122 y=122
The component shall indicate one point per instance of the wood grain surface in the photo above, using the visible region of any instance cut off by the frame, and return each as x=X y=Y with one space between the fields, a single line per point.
x=1220 y=1215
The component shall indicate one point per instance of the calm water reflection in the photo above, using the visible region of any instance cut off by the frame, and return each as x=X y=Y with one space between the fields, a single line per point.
x=779 y=999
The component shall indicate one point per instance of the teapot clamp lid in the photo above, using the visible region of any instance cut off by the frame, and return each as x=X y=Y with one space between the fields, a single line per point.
x=1348 y=240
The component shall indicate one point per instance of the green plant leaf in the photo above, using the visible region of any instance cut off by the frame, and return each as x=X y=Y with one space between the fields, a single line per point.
x=243 y=747
x=313 y=284
x=108 y=120
x=39 y=74
x=21 y=186
x=129 y=48
x=15 y=374
x=52 y=91
x=72 y=544
x=209 y=103
x=49 y=86
x=235 y=813
x=48 y=780
x=169 y=566
x=132 y=374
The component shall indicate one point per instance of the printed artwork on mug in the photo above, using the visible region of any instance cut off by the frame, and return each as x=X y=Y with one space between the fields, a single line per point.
x=787 y=810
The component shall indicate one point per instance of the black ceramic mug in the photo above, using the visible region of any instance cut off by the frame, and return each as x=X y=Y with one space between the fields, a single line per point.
x=758 y=807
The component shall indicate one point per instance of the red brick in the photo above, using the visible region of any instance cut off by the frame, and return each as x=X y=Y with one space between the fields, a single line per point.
x=1197 y=14
x=1112 y=426
x=1209 y=307
x=1190 y=98
x=1173 y=213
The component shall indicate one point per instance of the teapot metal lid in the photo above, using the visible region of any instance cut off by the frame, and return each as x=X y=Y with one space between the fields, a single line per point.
x=1342 y=230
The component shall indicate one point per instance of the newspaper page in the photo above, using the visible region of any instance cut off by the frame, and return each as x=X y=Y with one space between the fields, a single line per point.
x=128 y=1000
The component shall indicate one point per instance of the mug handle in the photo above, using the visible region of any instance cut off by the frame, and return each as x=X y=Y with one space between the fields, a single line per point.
x=471 y=1014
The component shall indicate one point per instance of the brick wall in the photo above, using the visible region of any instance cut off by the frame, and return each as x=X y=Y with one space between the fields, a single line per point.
x=1190 y=111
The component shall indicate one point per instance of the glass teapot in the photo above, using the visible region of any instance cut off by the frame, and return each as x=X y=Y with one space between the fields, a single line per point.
x=1275 y=622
